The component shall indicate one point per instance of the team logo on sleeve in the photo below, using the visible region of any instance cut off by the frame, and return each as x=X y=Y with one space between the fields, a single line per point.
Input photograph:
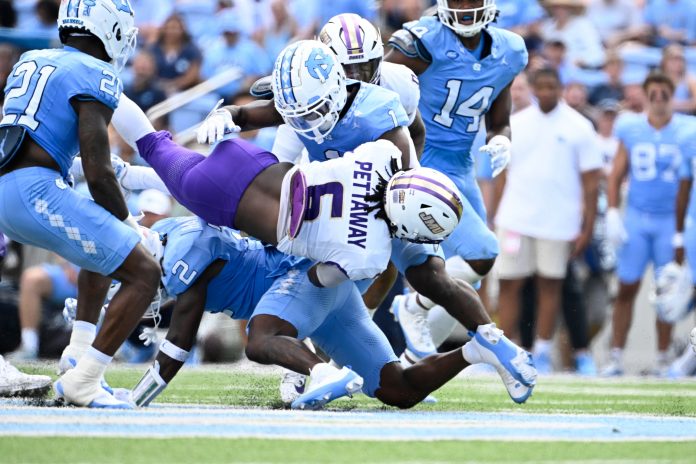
x=319 y=64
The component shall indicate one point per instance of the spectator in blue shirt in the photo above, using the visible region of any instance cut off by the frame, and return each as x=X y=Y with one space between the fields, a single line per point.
x=235 y=50
x=177 y=57
x=672 y=21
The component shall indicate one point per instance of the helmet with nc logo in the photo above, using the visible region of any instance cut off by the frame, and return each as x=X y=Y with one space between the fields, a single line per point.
x=111 y=21
x=309 y=87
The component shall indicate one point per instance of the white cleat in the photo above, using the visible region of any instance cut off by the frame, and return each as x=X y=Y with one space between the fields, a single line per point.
x=327 y=385
x=514 y=365
x=16 y=383
x=614 y=369
x=292 y=385
x=72 y=390
x=414 y=325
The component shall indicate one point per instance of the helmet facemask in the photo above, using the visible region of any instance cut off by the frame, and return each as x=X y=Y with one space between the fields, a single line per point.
x=479 y=17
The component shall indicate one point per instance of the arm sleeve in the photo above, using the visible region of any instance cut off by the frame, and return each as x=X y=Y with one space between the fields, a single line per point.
x=287 y=146
x=142 y=178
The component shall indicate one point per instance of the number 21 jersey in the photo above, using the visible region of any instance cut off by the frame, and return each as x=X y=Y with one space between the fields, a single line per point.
x=38 y=94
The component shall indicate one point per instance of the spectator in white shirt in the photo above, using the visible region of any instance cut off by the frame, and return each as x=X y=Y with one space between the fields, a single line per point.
x=569 y=24
x=548 y=207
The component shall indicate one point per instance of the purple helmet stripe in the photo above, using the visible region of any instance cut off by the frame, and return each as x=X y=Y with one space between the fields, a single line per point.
x=429 y=179
x=346 y=33
x=399 y=186
x=359 y=34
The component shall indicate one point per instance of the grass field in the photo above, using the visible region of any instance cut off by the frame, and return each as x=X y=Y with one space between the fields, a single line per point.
x=567 y=420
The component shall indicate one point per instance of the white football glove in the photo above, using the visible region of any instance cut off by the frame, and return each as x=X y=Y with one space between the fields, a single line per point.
x=217 y=124
x=498 y=148
x=693 y=339
x=616 y=232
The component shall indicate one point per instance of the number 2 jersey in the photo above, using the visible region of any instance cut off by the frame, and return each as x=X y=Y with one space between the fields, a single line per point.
x=38 y=94
x=457 y=89
x=336 y=227
x=191 y=246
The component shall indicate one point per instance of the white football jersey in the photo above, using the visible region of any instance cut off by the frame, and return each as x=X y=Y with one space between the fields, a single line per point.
x=335 y=226
x=404 y=82
x=395 y=77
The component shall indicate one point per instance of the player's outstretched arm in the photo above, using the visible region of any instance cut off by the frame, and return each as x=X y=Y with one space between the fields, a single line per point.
x=399 y=136
x=93 y=122
x=417 y=131
x=180 y=338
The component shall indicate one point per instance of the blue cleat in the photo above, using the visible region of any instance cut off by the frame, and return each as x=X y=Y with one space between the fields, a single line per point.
x=585 y=365
x=328 y=384
x=514 y=365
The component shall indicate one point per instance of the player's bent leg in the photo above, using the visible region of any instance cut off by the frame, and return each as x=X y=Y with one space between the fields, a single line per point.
x=273 y=340
x=139 y=276
x=404 y=387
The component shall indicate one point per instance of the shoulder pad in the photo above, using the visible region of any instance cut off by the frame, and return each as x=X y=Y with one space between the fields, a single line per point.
x=408 y=43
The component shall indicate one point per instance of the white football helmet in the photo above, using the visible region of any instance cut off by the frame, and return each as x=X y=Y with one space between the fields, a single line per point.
x=111 y=21
x=309 y=87
x=473 y=20
x=358 y=45
x=673 y=292
x=423 y=204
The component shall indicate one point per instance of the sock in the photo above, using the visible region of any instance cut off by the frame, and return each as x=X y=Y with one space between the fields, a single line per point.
x=662 y=358
x=81 y=338
x=30 y=340
x=321 y=371
x=616 y=356
x=130 y=122
x=441 y=324
x=415 y=302
x=542 y=347
x=92 y=365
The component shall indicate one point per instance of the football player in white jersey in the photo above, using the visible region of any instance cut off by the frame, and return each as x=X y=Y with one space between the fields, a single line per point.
x=332 y=120
x=359 y=48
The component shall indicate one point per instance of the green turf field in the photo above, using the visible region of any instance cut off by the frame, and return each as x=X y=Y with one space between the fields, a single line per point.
x=232 y=387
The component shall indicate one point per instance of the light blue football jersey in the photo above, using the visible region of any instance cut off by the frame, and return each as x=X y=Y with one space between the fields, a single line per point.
x=38 y=94
x=374 y=111
x=457 y=89
x=192 y=245
x=654 y=162
x=687 y=145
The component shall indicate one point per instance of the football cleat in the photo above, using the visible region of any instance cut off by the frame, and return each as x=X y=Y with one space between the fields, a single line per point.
x=68 y=362
x=100 y=399
x=614 y=369
x=292 y=385
x=585 y=365
x=327 y=385
x=414 y=325
x=16 y=383
x=514 y=365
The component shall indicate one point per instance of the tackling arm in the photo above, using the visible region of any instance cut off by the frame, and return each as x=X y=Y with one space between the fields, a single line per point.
x=255 y=115
x=180 y=338
x=400 y=137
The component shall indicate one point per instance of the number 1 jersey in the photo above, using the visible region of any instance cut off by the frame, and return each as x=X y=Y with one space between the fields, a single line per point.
x=38 y=94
